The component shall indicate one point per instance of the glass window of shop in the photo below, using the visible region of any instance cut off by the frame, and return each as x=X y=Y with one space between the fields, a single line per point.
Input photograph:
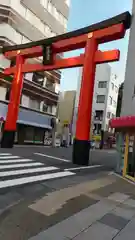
x=29 y=134
x=39 y=136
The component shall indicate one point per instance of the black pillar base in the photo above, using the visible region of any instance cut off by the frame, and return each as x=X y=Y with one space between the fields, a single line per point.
x=7 y=140
x=81 y=150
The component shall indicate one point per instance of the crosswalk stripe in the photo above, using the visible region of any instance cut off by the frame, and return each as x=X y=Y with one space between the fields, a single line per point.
x=5 y=154
x=16 y=161
x=25 y=171
x=21 y=165
x=21 y=181
x=52 y=157
x=9 y=157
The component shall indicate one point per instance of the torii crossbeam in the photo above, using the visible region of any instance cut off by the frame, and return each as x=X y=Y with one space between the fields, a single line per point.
x=88 y=38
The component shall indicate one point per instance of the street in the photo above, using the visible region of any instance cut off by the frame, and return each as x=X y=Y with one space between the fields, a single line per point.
x=29 y=165
x=40 y=190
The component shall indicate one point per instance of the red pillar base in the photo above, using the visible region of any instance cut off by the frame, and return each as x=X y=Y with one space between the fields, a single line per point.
x=81 y=150
x=8 y=139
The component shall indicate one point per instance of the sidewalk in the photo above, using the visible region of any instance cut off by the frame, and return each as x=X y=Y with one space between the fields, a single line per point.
x=110 y=214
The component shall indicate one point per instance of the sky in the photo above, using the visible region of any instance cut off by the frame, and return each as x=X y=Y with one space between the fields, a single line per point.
x=86 y=12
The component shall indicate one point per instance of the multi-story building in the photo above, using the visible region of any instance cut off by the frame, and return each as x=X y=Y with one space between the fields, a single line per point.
x=23 y=21
x=66 y=107
x=128 y=100
x=104 y=98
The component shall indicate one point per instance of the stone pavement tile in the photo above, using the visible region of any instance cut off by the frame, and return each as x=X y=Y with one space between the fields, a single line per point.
x=54 y=201
x=118 y=197
x=88 y=216
x=128 y=232
x=130 y=202
x=107 y=190
x=68 y=208
x=124 y=212
x=114 y=221
x=120 y=185
x=77 y=223
x=97 y=231
x=68 y=228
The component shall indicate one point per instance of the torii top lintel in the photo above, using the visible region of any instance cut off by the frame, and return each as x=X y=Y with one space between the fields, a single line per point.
x=124 y=18
x=108 y=30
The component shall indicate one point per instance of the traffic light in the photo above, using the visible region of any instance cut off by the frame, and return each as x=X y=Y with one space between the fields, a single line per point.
x=47 y=55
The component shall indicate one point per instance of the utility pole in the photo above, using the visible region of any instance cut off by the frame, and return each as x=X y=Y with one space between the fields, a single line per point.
x=54 y=125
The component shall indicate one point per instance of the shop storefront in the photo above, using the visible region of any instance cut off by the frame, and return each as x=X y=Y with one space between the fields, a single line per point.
x=129 y=158
x=125 y=128
x=32 y=127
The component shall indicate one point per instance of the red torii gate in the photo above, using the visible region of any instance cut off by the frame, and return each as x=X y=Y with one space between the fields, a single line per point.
x=89 y=38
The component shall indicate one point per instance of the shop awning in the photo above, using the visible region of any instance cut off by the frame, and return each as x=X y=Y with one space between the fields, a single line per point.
x=123 y=122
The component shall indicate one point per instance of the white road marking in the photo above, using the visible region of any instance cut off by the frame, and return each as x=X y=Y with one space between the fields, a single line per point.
x=48 y=156
x=5 y=154
x=21 y=181
x=9 y=157
x=21 y=165
x=79 y=168
x=16 y=161
x=32 y=170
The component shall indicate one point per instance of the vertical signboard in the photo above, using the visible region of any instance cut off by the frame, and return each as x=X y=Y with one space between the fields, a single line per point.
x=47 y=55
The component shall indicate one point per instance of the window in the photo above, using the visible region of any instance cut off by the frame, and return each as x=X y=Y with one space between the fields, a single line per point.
x=50 y=85
x=99 y=115
x=112 y=86
x=38 y=79
x=45 y=107
x=100 y=98
x=34 y=104
x=110 y=100
x=102 y=84
x=49 y=109
x=109 y=115
x=113 y=115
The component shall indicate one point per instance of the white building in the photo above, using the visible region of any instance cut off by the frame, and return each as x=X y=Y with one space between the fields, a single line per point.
x=23 y=21
x=104 y=99
x=128 y=100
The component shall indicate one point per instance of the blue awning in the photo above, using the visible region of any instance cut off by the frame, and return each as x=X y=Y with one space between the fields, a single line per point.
x=28 y=117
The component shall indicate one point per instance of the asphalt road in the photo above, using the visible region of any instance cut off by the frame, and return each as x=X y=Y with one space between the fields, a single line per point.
x=29 y=165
